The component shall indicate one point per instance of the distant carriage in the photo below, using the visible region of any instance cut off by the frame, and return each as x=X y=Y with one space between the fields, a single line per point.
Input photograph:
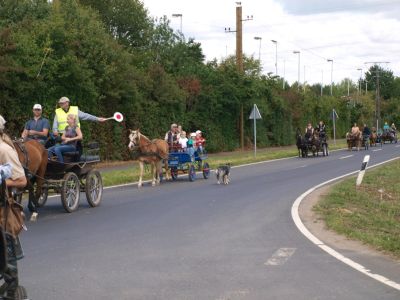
x=388 y=136
x=317 y=143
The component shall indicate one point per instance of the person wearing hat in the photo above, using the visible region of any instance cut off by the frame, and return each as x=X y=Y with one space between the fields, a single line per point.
x=200 y=141
x=60 y=119
x=38 y=127
x=386 y=127
x=171 y=137
x=8 y=155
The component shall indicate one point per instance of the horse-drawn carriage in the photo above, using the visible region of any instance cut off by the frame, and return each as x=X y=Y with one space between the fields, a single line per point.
x=75 y=175
x=180 y=161
x=388 y=136
x=314 y=144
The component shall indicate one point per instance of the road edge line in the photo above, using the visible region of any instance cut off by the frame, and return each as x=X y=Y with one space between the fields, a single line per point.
x=327 y=249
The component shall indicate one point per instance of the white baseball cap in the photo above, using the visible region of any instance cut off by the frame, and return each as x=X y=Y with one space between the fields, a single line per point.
x=198 y=131
x=37 y=106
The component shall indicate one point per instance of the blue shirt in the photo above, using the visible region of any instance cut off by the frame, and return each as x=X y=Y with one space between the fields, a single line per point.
x=37 y=125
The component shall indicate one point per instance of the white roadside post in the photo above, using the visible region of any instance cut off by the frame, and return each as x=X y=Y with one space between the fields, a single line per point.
x=255 y=115
x=362 y=171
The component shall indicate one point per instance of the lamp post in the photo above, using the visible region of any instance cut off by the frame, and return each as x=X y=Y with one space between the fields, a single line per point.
x=276 y=56
x=298 y=69
x=258 y=38
x=359 y=83
x=331 y=61
x=178 y=16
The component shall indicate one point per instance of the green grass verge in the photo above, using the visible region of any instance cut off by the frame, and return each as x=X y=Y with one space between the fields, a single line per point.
x=123 y=176
x=370 y=213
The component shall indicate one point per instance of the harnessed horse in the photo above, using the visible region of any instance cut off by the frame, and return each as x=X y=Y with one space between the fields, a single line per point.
x=354 y=140
x=301 y=143
x=33 y=157
x=152 y=152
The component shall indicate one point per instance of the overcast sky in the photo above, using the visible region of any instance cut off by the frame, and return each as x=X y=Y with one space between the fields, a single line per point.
x=351 y=32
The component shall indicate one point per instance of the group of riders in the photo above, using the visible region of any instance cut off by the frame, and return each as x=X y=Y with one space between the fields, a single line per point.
x=178 y=141
x=368 y=133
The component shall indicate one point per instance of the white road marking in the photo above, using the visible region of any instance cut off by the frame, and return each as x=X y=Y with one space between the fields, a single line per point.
x=280 y=256
x=397 y=146
x=329 y=250
x=343 y=157
x=377 y=150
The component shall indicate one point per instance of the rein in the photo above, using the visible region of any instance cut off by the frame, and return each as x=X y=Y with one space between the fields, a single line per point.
x=147 y=143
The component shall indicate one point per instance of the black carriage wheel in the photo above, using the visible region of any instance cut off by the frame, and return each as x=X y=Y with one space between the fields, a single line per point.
x=206 y=170
x=18 y=294
x=174 y=173
x=94 y=188
x=192 y=173
x=70 y=192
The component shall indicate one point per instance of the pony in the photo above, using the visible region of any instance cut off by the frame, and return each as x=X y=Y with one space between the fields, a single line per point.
x=354 y=140
x=301 y=144
x=33 y=157
x=152 y=152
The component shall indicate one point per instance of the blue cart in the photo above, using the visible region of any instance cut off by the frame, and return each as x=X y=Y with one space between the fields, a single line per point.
x=183 y=162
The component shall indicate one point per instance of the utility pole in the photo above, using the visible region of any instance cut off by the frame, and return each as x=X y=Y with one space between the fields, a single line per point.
x=378 y=100
x=239 y=58
x=331 y=61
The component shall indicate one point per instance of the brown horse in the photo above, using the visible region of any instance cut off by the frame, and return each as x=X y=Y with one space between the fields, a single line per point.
x=354 y=140
x=33 y=157
x=373 y=137
x=153 y=152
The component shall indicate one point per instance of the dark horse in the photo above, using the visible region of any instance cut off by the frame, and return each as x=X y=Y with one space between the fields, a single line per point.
x=301 y=143
x=33 y=157
x=151 y=151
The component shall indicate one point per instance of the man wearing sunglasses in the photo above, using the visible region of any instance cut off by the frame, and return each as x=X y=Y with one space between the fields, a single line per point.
x=38 y=127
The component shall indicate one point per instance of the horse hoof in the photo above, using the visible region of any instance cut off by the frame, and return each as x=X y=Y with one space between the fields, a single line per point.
x=139 y=186
x=34 y=217
x=153 y=184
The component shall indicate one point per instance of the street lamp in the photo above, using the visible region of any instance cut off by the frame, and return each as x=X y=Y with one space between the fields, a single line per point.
x=258 y=38
x=331 y=61
x=298 y=69
x=276 y=56
x=359 y=82
x=178 y=16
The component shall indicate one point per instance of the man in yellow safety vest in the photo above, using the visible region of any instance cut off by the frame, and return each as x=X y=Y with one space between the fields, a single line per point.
x=60 y=119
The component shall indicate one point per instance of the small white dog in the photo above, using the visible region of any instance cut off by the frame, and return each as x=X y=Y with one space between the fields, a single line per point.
x=222 y=173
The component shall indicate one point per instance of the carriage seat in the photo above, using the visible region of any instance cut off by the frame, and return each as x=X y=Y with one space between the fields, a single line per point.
x=74 y=156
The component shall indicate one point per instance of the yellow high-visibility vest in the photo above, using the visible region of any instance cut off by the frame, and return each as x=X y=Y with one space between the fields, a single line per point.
x=62 y=117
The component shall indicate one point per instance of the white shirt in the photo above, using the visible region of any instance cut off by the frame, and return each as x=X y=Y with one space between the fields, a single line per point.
x=183 y=142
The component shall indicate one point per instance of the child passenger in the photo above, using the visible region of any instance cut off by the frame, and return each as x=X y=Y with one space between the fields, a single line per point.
x=183 y=140
x=190 y=144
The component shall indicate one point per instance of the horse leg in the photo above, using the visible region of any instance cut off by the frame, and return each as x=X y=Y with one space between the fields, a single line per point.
x=158 y=171
x=141 y=166
x=153 y=173
x=167 y=177
x=32 y=203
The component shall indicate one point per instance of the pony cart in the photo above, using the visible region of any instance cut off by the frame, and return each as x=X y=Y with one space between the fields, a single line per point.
x=315 y=144
x=180 y=161
x=75 y=175
x=388 y=136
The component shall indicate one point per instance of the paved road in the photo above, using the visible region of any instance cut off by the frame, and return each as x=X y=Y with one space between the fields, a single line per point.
x=199 y=240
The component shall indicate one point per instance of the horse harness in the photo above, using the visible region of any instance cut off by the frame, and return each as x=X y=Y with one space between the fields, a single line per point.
x=25 y=165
